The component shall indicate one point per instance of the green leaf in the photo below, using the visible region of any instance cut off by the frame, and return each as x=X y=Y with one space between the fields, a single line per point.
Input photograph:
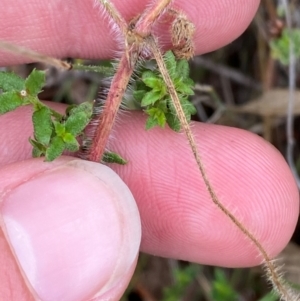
x=38 y=149
x=42 y=125
x=71 y=143
x=79 y=117
x=171 y=63
x=156 y=117
x=173 y=122
x=154 y=82
x=10 y=81
x=139 y=94
x=188 y=107
x=150 y=98
x=110 y=157
x=148 y=75
x=56 y=148
x=60 y=129
x=70 y=108
x=280 y=46
x=85 y=107
x=35 y=81
x=183 y=69
x=221 y=287
x=76 y=123
x=151 y=122
x=9 y=101
x=183 y=88
x=172 y=118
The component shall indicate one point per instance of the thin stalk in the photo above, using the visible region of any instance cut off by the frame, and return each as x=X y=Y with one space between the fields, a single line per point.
x=271 y=268
x=143 y=26
x=114 y=14
x=133 y=45
x=112 y=105
x=34 y=56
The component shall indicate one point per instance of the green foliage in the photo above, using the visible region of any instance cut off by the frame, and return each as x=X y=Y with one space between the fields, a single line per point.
x=110 y=157
x=182 y=278
x=280 y=46
x=152 y=93
x=53 y=133
x=217 y=284
x=221 y=288
x=10 y=82
x=34 y=82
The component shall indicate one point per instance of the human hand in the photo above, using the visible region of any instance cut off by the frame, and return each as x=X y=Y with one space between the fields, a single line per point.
x=178 y=217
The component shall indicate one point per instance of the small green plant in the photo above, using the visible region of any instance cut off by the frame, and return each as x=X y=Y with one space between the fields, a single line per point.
x=280 y=46
x=53 y=132
x=214 y=284
x=152 y=93
x=162 y=94
x=183 y=277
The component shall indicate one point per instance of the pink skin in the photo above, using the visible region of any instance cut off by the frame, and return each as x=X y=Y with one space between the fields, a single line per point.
x=178 y=217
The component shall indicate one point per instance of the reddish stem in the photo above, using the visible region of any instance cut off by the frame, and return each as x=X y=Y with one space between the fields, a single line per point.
x=112 y=104
x=143 y=26
x=134 y=43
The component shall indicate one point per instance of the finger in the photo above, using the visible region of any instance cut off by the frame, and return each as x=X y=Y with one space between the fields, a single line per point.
x=69 y=229
x=79 y=29
x=178 y=216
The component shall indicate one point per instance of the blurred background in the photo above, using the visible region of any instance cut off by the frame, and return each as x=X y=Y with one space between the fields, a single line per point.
x=251 y=84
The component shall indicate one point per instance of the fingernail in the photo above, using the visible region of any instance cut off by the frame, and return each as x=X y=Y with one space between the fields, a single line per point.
x=75 y=230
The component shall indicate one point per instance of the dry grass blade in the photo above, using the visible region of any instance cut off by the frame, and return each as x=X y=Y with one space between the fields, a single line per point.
x=34 y=56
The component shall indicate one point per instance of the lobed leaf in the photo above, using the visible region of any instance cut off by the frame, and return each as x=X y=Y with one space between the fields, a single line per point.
x=188 y=108
x=156 y=117
x=85 y=107
x=171 y=63
x=71 y=144
x=76 y=123
x=42 y=125
x=154 y=82
x=55 y=149
x=185 y=89
x=60 y=129
x=173 y=122
x=139 y=94
x=183 y=69
x=151 y=122
x=172 y=118
x=35 y=81
x=150 y=98
x=38 y=149
x=11 y=82
x=9 y=101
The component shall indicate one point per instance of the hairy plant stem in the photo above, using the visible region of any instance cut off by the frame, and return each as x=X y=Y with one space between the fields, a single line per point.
x=152 y=44
x=114 y=14
x=134 y=42
x=112 y=105
x=143 y=26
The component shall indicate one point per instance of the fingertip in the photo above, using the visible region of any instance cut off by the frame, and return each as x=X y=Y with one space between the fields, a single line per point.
x=81 y=30
x=70 y=223
x=180 y=220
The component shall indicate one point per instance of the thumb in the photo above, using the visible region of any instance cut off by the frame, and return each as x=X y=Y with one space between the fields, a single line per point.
x=70 y=230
